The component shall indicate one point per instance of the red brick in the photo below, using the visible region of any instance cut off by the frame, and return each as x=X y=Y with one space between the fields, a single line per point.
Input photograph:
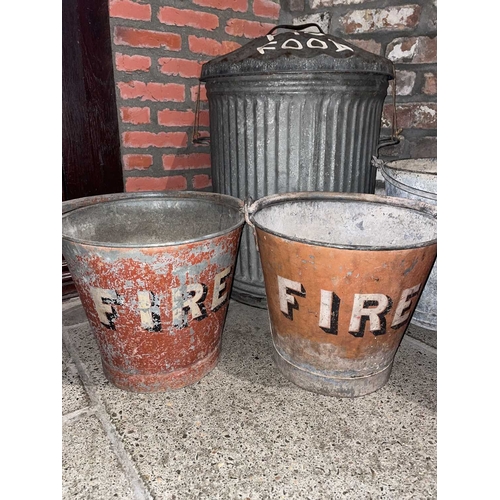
x=152 y=91
x=424 y=147
x=204 y=118
x=137 y=162
x=395 y=18
x=174 y=183
x=145 y=38
x=194 y=93
x=368 y=45
x=201 y=181
x=180 y=67
x=186 y=162
x=416 y=50
x=405 y=82
x=135 y=115
x=211 y=47
x=248 y=29
x=430 y=84
x=236 y=5
x=132 y=63
x=266 y=8
x=422 y=115
x=126 y=9
x=139 y=139
x=185 y=17
x=173 y=118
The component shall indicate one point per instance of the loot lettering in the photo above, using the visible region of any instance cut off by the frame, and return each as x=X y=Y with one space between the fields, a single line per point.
x=314 y=42
x=189 y=302
x=367 y=308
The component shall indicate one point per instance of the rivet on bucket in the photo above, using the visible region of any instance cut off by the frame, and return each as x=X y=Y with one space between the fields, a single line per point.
x=154 y=274
x=343 y=273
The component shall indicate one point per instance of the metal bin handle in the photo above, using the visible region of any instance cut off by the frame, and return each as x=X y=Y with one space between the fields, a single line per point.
x=297 y=27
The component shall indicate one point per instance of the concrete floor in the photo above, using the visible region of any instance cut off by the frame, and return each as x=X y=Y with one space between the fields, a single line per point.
x=244 y=431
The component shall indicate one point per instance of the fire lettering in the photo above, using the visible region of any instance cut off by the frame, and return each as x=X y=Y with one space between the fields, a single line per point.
x=370 y=307
x=404 y=306
x=288 y=302
x=104 y=301
x=188 y=299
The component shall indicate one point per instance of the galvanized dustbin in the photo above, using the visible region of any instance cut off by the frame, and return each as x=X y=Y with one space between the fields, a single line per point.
x=292 y=111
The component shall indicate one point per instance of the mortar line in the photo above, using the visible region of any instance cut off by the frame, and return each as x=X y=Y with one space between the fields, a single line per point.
x=139 y=488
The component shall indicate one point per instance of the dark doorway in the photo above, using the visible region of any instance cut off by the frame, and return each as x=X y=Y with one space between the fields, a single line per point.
x=90 y=135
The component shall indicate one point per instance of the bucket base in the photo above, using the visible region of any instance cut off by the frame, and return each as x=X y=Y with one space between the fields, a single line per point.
x=162 y=382
x=328 y=386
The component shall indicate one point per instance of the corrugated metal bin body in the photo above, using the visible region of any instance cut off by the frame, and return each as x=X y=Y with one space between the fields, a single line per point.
x=291 y=120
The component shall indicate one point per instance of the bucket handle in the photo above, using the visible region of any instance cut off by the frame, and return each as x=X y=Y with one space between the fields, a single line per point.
x=394 y=137
x=249 y=208
x=296 y=27
x=197 y=137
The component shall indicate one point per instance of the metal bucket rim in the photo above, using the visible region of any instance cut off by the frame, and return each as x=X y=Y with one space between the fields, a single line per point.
x=399 y=165
x=74 y=203
x=276 y=199
x=220 y=199
x=386 y=167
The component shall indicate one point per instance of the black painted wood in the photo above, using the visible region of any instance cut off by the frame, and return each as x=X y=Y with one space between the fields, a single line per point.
x=91 y=160
x=91 y=142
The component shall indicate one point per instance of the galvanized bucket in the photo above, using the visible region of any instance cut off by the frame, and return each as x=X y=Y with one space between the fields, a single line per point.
x=416 y=179
x=154 y=273
x=343 y=273
x=293 y=111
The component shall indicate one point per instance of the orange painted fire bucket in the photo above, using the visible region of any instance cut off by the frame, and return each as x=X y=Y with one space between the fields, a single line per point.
x=343 y=273
x=154 y=274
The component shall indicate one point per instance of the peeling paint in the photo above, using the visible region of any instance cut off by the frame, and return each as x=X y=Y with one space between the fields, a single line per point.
x=157 y=312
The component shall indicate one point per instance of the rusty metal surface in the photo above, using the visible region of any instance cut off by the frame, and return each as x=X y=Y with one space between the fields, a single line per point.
x=341 y=289
x=156 y=304
x=416 y=179
x=292 y=111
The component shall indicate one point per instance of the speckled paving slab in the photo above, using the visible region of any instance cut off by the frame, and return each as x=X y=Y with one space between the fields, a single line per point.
x=244 y=431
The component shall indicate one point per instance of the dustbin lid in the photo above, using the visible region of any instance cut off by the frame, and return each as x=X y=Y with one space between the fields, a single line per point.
x=296 y=51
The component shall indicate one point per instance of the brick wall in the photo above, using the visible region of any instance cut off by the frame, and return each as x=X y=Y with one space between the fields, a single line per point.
x=158 y=49
x=405 y=33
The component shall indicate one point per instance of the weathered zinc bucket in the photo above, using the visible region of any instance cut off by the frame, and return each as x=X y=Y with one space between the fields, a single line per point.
x=416 y=179
x=154 y=273
x=293 y=111
x=343 y=273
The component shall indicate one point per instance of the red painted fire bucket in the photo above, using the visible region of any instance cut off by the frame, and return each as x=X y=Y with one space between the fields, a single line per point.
x=154 y=273
x=343 y=274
